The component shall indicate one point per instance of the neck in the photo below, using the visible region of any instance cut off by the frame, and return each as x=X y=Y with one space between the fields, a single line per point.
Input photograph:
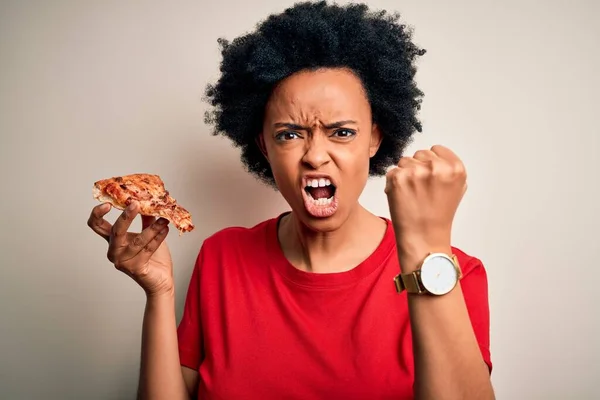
x=334 y=251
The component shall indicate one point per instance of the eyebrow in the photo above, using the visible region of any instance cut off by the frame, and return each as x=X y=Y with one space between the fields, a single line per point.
x=337 y=124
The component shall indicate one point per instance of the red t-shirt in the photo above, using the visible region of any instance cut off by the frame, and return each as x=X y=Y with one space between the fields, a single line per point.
x=255 y=327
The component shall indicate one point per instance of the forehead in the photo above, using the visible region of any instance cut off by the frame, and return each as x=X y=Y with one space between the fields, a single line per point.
x=327 y=93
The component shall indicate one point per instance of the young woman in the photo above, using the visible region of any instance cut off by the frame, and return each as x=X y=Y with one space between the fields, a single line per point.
x=327 y=301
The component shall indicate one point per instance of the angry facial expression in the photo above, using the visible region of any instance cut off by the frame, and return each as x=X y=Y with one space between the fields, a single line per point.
x=318 y=137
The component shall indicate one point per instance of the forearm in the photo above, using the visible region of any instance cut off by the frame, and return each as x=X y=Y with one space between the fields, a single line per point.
x=448 y=361
x=160 y=374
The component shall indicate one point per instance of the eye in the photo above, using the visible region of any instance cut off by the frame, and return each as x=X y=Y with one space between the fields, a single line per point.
x=286 y=135
x=344 y=133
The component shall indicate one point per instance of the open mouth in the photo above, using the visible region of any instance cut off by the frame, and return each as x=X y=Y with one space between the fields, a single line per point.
x=320 y=191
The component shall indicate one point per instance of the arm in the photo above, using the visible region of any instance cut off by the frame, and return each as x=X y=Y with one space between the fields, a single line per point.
x=423 y=194
x=448 y=360
x=145 y=257
x=161 y=376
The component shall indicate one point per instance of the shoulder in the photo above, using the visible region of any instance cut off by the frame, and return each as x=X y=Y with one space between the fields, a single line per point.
x=239 y=234
x=468 y=262
x=236 y=239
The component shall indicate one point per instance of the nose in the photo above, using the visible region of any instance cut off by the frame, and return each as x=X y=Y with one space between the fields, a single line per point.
x=316 y=154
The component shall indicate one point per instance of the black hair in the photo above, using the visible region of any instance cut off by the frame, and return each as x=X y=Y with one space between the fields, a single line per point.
x=309 y=36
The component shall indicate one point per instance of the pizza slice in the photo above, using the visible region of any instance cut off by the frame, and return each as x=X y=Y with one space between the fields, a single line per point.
x=149 y=191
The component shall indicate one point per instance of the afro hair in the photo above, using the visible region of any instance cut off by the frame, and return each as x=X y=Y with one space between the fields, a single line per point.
x=310 y=36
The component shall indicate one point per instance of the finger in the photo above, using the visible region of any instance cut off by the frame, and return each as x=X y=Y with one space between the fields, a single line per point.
x=119 y=229
x=147 y=220
x=97 y=222
x=145 y=253
x=455 y=165
x=142 y=240
x=154 y=244
x=445 y=153
x=397 y=178
x=412 y=170
x=409 y=162
x=425 y=155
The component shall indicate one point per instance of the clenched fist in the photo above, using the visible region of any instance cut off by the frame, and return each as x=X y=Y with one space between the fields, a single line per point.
x=424 y=192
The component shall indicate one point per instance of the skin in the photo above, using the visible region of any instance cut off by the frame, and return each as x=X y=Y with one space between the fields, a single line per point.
x=299 y=138
x=312 y=105
x=145 y=257
x=424 y=192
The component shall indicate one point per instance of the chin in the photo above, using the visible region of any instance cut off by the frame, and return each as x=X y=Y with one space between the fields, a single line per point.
x=319 y=225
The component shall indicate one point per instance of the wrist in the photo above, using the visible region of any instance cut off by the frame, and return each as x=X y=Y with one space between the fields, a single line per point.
x=160 y=297
x=411 y=254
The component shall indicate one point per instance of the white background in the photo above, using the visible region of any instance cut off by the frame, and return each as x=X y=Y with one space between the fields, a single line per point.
x=93 y=89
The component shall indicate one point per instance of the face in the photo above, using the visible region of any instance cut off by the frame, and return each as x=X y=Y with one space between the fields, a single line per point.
x=318 y=137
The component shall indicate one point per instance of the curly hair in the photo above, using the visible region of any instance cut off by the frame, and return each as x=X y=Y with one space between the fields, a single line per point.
x=310 y=36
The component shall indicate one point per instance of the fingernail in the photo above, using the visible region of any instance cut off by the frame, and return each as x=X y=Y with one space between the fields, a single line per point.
x=131 y=206
x=162 y=221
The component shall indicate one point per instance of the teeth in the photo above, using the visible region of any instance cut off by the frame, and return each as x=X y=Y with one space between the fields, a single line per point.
x=321 y=202
x=318 y=183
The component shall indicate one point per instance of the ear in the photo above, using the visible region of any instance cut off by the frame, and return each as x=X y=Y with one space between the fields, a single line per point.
x=260 y=142
x=376 y=138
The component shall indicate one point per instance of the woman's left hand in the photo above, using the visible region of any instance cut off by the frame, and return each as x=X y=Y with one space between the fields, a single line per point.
x=424 y=192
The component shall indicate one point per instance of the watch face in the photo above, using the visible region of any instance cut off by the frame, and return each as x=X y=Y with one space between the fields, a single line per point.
x=438 y=274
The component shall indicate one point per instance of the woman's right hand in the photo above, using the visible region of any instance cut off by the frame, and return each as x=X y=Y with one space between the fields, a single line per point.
x=143 y=256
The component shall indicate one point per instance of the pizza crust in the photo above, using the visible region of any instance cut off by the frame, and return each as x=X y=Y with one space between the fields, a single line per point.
x=97 y=193
x=149 y=191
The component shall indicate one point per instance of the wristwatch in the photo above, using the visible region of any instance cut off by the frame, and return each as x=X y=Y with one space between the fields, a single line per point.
x=438 y=275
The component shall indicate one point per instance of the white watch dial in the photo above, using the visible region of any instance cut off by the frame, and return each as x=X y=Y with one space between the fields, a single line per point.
x=438 y=274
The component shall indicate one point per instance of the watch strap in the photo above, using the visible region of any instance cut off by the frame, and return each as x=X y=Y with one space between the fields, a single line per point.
x=411 y=282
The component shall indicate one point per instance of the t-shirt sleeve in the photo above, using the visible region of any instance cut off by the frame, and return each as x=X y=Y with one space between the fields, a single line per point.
x=474 y=285
x=189 y=331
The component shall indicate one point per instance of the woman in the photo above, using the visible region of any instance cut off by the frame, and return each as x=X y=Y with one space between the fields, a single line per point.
x=305 y=305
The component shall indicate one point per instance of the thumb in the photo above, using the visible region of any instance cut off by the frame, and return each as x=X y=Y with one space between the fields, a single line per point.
x=147 y=220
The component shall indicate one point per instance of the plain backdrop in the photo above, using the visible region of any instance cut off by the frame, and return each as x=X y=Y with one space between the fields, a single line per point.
x=92 y=89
